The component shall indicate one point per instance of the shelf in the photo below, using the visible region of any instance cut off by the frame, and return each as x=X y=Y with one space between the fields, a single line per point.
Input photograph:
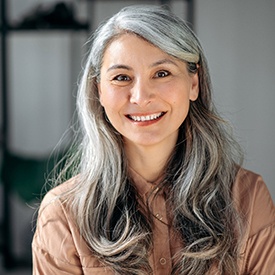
x=83 y=27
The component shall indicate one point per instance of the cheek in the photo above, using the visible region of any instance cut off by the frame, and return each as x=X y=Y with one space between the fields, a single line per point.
x=180 y=103
x=105 y=95
x=111 y=99
x=180 y=97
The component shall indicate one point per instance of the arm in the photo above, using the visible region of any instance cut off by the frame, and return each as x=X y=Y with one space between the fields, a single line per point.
x=258 y=207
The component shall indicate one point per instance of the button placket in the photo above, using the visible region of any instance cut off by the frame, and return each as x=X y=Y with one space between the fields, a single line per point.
x=159 y=209
x=162 y=253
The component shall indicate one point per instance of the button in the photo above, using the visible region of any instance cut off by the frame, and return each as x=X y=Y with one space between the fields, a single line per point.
x=162 y=261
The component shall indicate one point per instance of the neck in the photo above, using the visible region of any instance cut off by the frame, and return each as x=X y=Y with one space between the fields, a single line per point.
x=150 y=161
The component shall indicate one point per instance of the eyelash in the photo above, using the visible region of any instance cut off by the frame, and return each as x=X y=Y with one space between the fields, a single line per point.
x=158 y=74
x=121 y=77
x=163 y=73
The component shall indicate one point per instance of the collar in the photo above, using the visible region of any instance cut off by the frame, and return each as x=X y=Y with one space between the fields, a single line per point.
x=143 y=186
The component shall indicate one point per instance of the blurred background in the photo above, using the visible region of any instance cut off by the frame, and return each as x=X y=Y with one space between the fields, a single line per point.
x=42 y=50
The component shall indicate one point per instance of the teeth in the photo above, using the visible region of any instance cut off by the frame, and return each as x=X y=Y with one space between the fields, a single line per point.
x=146 y=118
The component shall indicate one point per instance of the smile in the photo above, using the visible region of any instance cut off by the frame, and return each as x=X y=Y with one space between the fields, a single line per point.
x=146 y=118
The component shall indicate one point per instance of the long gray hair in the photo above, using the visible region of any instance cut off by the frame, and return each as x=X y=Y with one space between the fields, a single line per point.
x=199 y=174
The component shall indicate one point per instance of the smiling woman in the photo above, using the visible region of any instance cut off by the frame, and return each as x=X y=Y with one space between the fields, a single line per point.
x=158 y=186
x=145 y=94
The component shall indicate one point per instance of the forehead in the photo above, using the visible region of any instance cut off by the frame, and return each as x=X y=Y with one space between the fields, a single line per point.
x=133 y=48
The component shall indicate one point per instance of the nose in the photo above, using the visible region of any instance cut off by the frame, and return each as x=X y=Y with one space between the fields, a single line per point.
x=141 y=93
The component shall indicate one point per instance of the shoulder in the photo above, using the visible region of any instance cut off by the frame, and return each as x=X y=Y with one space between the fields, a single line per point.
x=54 y=206
x=55 y=225
x=253 y=200
x=255 y=205
x=58 y=247
x=59 y=190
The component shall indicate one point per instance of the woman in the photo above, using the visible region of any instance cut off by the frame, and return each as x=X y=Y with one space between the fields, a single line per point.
x=157 y=187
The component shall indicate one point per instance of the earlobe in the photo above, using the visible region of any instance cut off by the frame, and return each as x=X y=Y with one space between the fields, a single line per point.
x=194 y=92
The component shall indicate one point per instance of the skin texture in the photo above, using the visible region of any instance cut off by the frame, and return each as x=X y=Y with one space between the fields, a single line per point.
x=146 y=95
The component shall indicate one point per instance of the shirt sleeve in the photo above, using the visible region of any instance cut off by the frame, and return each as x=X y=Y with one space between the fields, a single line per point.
x=261 y=248
x=53 y=246
x=260 y=245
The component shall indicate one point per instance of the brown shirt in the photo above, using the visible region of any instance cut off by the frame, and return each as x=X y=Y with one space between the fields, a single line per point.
x=58 y=247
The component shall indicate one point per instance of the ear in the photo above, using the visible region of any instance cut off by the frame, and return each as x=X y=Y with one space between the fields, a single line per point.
x=195 y=87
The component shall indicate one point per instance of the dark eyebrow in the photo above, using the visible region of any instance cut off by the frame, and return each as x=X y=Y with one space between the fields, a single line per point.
x=119 y=66
x=164 y=61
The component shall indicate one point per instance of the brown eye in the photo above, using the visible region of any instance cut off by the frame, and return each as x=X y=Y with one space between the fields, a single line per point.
x=161 y=74
x=122 y=77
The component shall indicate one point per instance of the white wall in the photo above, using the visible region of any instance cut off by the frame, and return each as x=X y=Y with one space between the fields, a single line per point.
x=239 y=41
x=40 y=91
x=43 y=71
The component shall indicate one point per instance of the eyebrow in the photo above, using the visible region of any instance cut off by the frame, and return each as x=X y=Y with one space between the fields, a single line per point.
x=164 y=61
x=119 y=66
x=155 y=64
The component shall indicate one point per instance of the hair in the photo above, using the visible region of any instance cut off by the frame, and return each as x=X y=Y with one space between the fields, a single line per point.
x=199 y=174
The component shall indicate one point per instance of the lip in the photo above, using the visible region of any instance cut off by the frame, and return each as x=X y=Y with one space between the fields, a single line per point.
x=145 y=119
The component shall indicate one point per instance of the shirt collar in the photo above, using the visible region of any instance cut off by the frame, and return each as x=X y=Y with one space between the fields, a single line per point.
x=143 y=186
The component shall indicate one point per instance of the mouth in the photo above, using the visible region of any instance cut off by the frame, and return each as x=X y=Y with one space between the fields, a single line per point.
x=151 y=117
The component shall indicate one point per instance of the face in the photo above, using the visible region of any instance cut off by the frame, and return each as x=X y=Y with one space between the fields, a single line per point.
x=145 y=92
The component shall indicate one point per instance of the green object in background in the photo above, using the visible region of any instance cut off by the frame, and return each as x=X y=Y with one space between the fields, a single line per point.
x=26 y=176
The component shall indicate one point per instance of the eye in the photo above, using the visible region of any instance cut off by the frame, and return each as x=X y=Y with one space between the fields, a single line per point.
x=161 y=74
x=122 y=77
